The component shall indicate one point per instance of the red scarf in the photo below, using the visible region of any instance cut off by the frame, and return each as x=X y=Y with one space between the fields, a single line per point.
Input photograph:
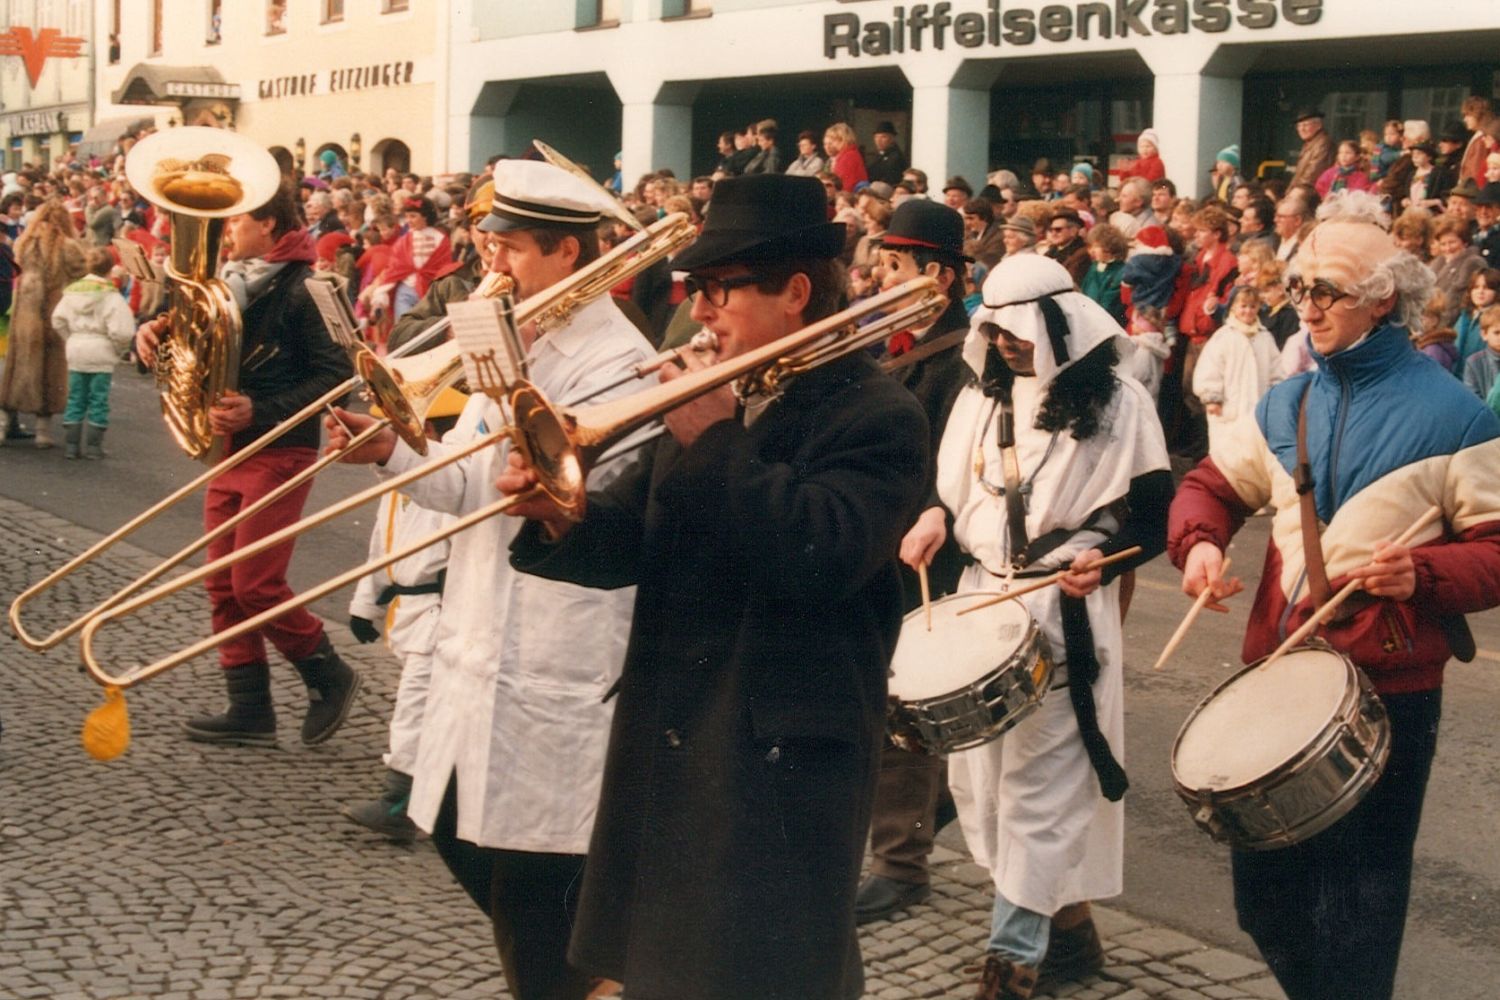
x=296 y=245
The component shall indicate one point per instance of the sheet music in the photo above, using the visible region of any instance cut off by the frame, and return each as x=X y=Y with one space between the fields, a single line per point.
x=133 y=258
x=333 y=306
x=494 y=359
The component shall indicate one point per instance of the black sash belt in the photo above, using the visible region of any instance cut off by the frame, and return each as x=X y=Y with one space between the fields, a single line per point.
x=395 y=590
x=1083 y=670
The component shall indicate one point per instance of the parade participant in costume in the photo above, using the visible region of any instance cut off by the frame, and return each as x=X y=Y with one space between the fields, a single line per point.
x=924 y=237
x=287 y=361
x=455 y=282
x=1387 y=435
x=511 y=751
x=763 y=541
x=408 y=597
x=1089 y=476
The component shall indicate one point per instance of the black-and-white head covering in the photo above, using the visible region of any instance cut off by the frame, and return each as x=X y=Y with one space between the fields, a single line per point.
x=1033 y=297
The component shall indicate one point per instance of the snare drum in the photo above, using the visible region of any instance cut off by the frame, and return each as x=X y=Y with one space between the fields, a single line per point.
x=970 y=678
x=1279 y=752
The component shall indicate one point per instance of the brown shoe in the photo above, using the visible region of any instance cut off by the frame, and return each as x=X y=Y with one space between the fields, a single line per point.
x=1072 y=953
x=1002 y=979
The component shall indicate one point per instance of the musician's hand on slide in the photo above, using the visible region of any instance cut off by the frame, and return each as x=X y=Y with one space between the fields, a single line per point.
x=1080 y=581
x=688 y=421
x=147 y=339
x=1205 y=562
x=518 y=477
x=1390 y=574
x=376 y=451
x=231 y=414
x=925 y=538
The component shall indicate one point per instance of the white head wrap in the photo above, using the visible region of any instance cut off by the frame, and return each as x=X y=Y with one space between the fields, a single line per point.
x=1014 y=297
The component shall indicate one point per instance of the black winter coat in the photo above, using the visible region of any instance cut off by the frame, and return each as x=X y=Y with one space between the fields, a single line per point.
x=287 y=359
x=742 y=759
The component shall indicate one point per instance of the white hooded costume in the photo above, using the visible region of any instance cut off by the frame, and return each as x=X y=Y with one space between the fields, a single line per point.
x=1030 y=803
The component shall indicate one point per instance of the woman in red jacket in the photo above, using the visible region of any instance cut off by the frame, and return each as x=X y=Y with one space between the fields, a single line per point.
x=844 y=158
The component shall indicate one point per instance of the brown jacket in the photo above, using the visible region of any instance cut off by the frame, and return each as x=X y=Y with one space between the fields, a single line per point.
x=1317 y=156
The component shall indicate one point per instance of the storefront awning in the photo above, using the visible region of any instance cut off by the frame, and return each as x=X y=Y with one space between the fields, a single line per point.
x=99 y=138
x=147 y=84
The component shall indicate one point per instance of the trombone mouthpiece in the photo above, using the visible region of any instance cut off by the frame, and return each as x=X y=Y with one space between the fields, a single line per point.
x=704 y=341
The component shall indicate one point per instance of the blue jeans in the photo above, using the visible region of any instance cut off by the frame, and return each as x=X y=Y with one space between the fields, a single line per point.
x=403 y=300
x=1019 y=934
x=88 y=395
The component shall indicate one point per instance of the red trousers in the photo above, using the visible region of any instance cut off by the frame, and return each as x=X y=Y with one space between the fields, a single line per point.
x=258 y=583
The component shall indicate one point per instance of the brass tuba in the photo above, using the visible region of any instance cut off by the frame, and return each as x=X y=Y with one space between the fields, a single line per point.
x=201 y=176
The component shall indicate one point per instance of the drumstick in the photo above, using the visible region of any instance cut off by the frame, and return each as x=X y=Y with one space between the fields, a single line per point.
x=926 y=594
x=1048 y=581
x=1326 y=611
x=1192 y=616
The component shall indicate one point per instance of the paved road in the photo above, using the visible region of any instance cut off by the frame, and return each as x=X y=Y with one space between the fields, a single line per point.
x=1175 y=877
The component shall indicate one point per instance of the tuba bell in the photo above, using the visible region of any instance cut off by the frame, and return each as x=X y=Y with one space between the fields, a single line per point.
x=201 y=176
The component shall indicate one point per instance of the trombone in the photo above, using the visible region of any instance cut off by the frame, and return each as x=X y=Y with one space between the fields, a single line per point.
x=404 y=387
x=561 y=443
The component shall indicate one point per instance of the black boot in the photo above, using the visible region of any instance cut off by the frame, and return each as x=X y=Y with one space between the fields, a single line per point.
x=13 y=429
x=331 y=687
x=249 y=720
x=387 y=814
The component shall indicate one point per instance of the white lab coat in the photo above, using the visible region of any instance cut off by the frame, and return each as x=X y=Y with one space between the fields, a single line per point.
x=522 y=665
x=1029 y=802
x=410 y=620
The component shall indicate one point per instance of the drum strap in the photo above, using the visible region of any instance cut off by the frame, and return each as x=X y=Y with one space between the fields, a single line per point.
x=1015 y=504
x=1083 y=671
x=1312 y=544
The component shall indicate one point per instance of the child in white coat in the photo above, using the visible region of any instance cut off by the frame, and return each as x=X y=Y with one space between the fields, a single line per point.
x=94 y=319
x=1239 y=363
x=408 y=597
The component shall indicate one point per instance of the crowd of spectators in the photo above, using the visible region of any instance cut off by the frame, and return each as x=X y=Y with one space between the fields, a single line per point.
x=1165 y=266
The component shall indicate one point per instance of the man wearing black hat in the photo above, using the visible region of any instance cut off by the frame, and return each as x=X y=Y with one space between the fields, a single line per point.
x=762 y=539
x=1487 y=224
x=924 y=238
x=1065 y=242
x=887 y=160
x=1317 y=149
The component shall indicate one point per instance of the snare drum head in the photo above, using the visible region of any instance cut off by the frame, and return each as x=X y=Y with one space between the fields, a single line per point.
x=1260 y=719
x=959 y=650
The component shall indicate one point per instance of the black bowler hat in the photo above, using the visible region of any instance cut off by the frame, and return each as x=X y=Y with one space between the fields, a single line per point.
x=1455 y=133
x=921 y=224
x=1489 y=195
x=1303 y=114
x=764 y=218
x=885 y=128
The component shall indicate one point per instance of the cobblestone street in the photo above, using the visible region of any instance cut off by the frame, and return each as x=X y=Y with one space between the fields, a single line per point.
x=185 y=872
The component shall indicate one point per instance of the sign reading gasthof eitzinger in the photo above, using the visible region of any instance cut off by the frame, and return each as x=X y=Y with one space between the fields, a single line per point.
x=991 y=24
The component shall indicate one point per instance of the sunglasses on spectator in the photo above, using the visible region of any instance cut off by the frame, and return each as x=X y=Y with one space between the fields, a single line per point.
x=1322 y=294
x=716 y=290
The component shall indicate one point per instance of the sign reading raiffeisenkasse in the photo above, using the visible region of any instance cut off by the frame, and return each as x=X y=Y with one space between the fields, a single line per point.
x=978 y=25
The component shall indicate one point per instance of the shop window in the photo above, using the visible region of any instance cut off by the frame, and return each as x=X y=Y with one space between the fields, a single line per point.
x=333 y=11
x=394 y=6
x=1352 y=111
x=276 y=17
x=598 y=13
x=114 y=33
x=685 y=8
x=157 y=25
x=215 y=31
x=1440 y=106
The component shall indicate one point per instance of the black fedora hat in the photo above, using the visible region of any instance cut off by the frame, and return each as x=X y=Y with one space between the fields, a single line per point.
x=921 y=224
x=763 y=218
x=1303 y=114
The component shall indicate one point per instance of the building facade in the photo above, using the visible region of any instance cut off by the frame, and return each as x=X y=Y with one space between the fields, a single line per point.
x=971 y=85
x=363 y=78
x=45 y=79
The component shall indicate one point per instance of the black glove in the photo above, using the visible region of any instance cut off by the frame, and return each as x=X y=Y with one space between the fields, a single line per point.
x=364 y=630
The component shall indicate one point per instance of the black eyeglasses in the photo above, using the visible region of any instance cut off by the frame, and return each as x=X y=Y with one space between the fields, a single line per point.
x=1322 y=294
x=716 y=290
x=1059 y=229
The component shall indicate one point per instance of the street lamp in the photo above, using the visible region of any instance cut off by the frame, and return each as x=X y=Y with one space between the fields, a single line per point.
x=356 y=147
